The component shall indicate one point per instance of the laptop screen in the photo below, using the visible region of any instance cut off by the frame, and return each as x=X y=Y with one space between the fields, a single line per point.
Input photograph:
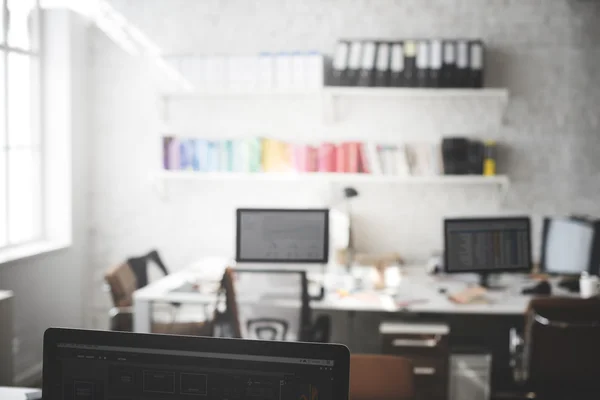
x=95 y=372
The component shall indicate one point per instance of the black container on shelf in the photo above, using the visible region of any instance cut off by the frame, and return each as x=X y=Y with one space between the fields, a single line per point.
x=455 y=155
x=436 y=63
x=422 y=63
x=397 y=65
x=461 y=79
x=340 y=64
x=448 y=79
x=382 y=64
x=367 y=69
x=410 y=63
x=436 y=53
x=476 y=64
x=475 y=157
x=354 y=63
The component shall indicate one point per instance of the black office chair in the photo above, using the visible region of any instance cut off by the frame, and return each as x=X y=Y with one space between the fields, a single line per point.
x=257 y=289
x=560 y=353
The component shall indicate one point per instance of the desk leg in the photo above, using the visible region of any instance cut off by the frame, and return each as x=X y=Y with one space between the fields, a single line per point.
x=351 y=322
x=142 y=310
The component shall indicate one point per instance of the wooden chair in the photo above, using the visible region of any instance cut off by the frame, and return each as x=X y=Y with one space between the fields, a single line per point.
x=122 y=283
x=381 y=377
x=226 y=322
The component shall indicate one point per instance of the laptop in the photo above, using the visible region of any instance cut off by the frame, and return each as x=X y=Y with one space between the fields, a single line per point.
x=99 y=365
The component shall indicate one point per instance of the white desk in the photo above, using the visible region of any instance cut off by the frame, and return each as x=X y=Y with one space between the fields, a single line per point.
x=417 y=292
x=11 y=393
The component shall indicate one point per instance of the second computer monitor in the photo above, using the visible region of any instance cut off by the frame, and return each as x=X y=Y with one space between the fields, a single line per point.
x=282 y=236
x=487 y=245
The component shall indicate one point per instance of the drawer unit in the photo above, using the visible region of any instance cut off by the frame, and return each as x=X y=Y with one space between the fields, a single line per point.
x=427 y=347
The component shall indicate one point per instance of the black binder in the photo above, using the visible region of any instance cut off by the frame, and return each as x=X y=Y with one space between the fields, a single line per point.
x=340 y=64
x=422 y=63
x=354 y=62
x=462 y=63
x=476 y=65
x=435 y=63
x=382 y=65
x=397 y=66
x=448 y=79
x=367 y=70
x=410 y=63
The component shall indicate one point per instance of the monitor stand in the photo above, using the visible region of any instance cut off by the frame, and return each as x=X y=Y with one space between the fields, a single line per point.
x=484 y=282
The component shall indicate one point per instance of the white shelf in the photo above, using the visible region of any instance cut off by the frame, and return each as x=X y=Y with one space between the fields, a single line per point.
x=339 y=91
x=501 y=180
x=162 y=178
x=331 y=96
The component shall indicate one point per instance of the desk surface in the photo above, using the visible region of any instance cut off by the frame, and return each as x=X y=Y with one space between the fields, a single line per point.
x=12 y=393
x=416 y=292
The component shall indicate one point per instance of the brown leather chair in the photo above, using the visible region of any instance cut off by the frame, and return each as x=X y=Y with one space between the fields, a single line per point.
x=381 y=377
x=560 y=353
x=122 y=283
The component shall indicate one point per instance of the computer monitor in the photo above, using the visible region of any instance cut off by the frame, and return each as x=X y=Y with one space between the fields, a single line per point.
x=567 y=246
x=282 y=236
x=80 y=364
x=487 y=246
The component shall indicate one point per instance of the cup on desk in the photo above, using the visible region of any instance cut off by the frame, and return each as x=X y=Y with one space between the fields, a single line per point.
x=589 y=286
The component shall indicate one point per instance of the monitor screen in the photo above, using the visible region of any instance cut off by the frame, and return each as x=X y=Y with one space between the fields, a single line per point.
x=566 y=246
x=280 y=235
x=487 y=245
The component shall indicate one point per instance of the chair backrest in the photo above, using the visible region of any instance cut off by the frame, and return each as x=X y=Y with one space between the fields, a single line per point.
x=562 y=344
x=226 y=322
x=381 y=377
x=257 y=291
x=122 y=283
x=139 y=265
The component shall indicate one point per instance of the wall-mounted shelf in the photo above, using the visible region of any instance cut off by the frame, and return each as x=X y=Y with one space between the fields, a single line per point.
x=330 y=95
x=501 y=182
x=339 y=91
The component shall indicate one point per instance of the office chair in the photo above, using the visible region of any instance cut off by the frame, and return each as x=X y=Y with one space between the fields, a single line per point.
x=381 y=377
x=559 y=355
x=122 y=282
x=257 y=289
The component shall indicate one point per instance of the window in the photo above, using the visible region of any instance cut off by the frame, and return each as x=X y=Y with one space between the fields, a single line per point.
x=20 y=134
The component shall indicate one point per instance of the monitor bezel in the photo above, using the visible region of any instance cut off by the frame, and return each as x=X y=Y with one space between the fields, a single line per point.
x=481 y=270
x=53 y=336
x=238 y=238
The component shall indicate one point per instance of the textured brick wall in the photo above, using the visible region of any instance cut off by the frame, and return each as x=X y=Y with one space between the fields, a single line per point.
x=545 y=51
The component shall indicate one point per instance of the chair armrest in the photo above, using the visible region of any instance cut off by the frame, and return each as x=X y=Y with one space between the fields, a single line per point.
x=516 y=348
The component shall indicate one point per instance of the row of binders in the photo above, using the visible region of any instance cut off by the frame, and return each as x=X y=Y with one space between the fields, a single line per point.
x=409 y=63
x=265 y=71
x=275 y=156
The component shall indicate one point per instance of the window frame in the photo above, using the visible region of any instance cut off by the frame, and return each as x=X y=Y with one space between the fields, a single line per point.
x=33 y=52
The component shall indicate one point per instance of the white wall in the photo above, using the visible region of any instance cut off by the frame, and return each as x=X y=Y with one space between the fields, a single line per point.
x=50 y=289
x=545 y=52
